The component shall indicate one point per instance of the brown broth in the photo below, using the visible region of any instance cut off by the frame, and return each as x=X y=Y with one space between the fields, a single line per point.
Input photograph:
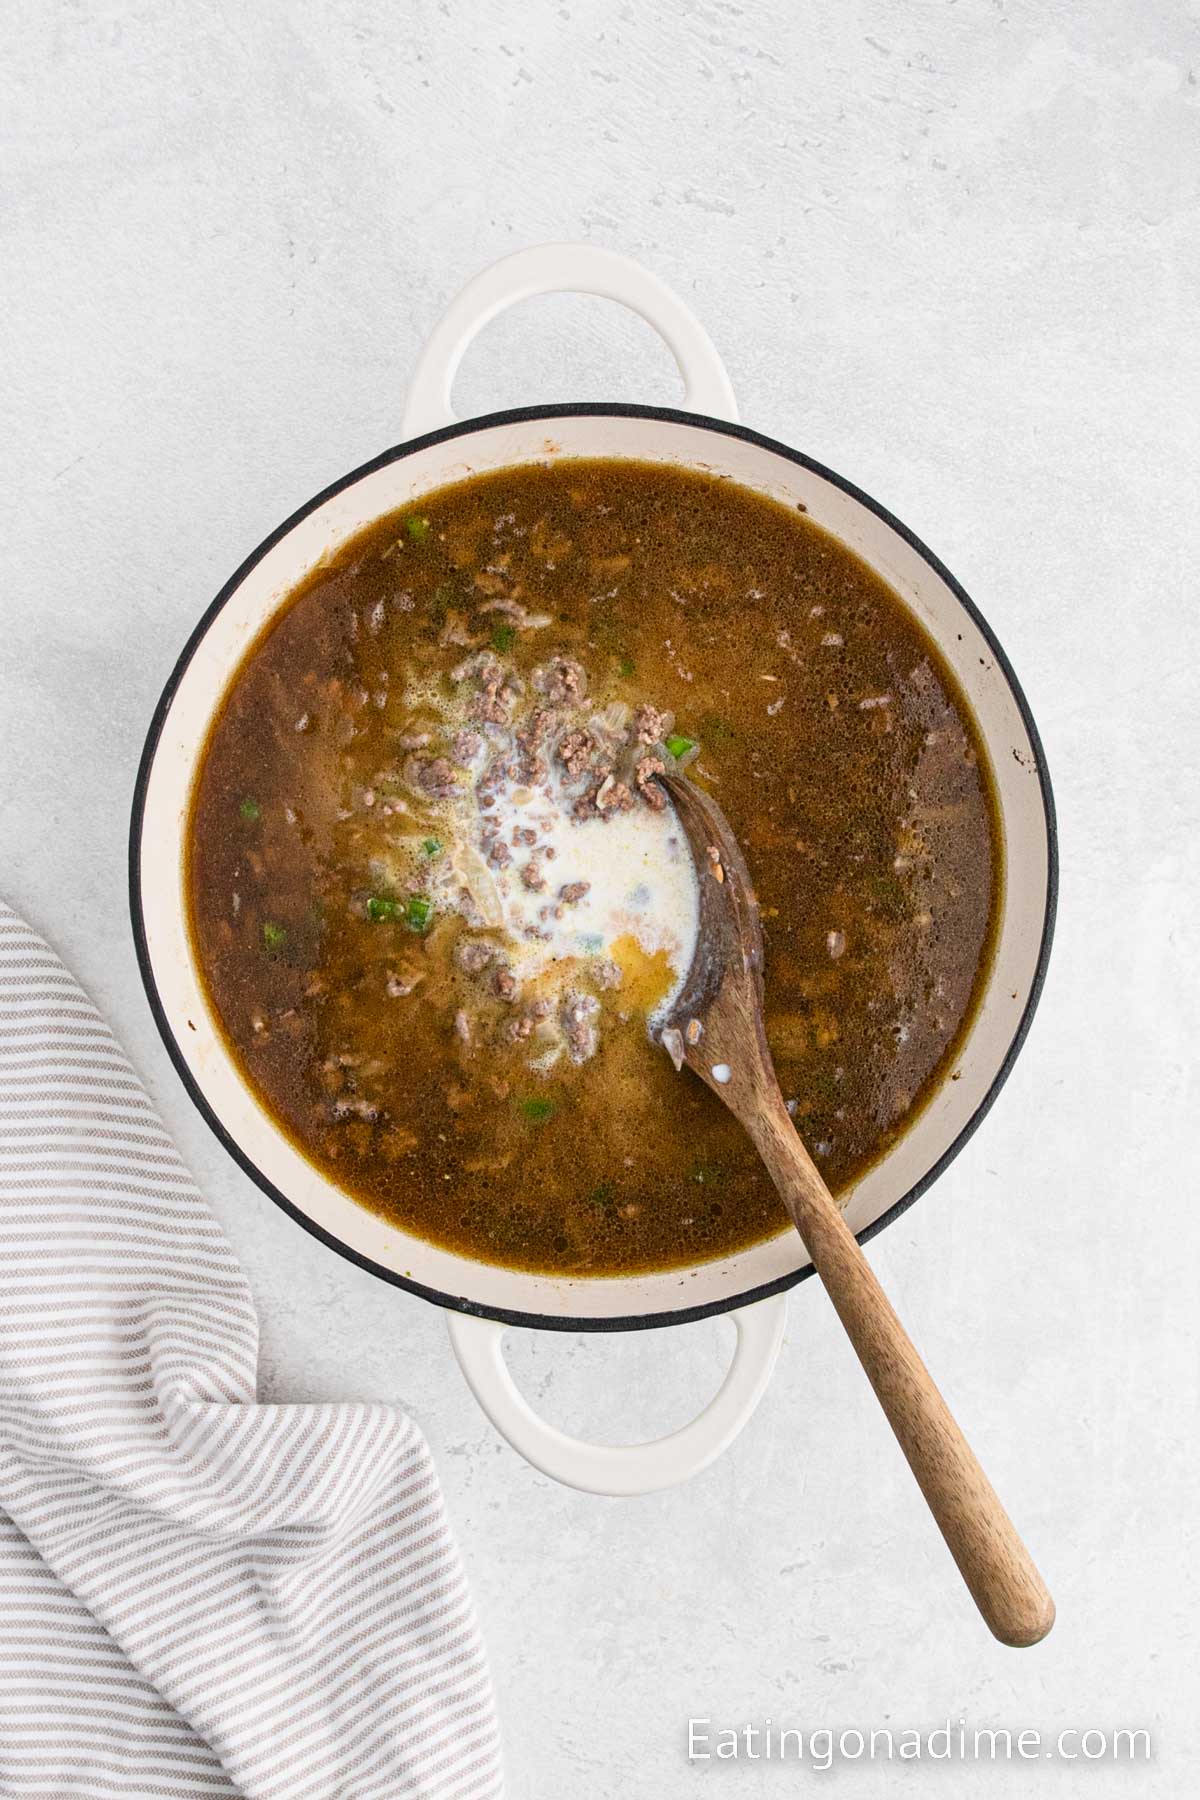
x=869 y=825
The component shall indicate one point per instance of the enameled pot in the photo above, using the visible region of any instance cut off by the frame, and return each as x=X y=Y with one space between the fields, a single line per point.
x=483 y=1300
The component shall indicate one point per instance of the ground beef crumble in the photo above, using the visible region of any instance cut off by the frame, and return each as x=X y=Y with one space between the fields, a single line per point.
x=433 y=776
x=473 y=954
x=574 y=749
x=651 y=791
x=613 y=796
x=650 y=726
x=562 y=680
x=578 y=1023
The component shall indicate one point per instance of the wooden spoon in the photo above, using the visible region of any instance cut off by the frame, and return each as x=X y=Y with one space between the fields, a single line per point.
x=716 y=1027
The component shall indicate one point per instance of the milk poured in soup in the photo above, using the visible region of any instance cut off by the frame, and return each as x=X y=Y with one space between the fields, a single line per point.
x=441 y=902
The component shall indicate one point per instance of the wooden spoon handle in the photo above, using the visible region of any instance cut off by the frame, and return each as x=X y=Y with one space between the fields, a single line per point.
x=994 y=1563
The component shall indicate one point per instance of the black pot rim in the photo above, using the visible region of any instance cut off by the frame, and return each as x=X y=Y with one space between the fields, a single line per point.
x=466 y=428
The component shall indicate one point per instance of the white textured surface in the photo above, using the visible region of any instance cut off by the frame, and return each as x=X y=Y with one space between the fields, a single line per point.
x=950 y=250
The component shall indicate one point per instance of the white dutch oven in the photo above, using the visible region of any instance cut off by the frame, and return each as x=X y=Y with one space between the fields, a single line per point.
x=484 y=1300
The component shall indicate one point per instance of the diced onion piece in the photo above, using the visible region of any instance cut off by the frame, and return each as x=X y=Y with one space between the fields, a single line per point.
x=476 y=877
x=613 y=720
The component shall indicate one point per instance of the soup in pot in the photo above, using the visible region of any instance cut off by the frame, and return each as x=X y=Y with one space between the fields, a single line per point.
x=441 y=902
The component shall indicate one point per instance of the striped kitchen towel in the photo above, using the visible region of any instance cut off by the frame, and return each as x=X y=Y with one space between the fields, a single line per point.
x=200 y=1594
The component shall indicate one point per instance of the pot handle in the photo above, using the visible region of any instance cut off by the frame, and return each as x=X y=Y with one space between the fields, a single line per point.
x=557 y=269
x=622 y=1469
